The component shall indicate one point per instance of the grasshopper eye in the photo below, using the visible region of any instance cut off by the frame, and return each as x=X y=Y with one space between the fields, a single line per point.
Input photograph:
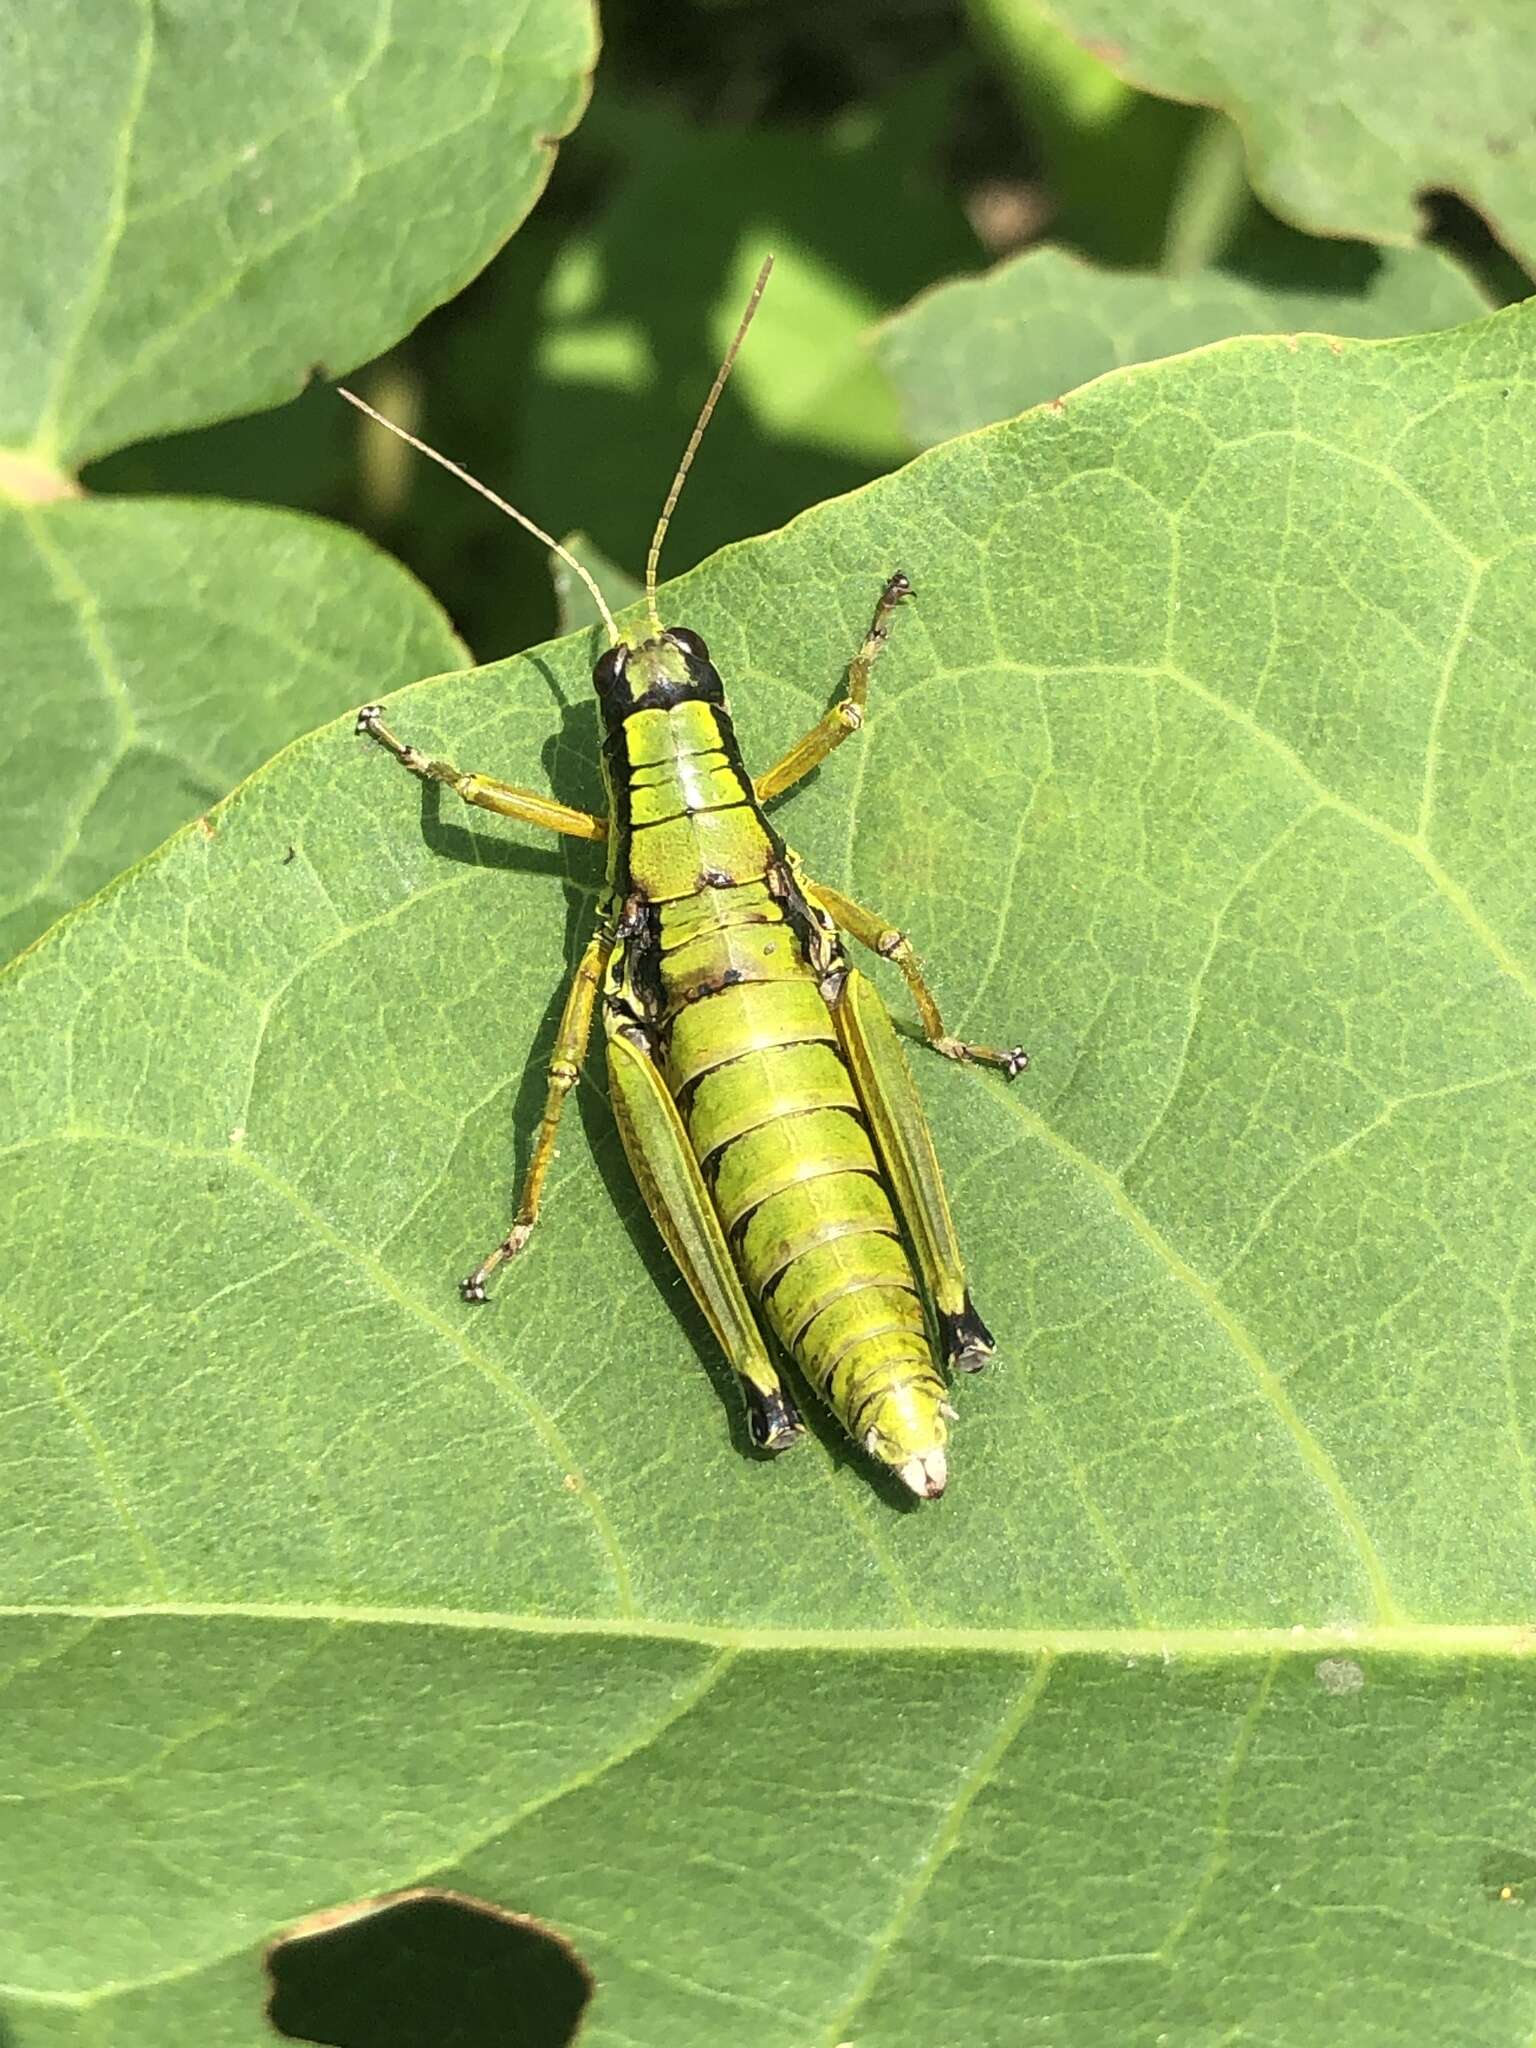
x=690 y=642
x=608 y=670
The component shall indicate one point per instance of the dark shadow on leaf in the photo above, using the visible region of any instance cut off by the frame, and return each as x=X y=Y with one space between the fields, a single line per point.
x=1453 y=224
x=572 y=754
x=479 y=849
x=425 y=1969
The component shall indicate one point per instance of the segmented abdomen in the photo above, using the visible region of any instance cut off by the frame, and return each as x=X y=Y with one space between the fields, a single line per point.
x=749 y=1050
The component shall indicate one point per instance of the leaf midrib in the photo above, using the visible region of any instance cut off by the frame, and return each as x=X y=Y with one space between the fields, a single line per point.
x=1424 y=1639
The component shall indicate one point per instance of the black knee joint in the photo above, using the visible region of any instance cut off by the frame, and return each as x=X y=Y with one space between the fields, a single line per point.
x=967 y=1341
x=773 y=1421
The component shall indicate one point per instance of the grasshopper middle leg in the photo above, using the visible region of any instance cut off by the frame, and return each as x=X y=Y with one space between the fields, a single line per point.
x=872 y=930
x=564 y=1069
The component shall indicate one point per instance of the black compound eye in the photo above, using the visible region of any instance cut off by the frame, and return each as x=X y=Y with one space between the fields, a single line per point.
x=689 y=641
x=608 y=670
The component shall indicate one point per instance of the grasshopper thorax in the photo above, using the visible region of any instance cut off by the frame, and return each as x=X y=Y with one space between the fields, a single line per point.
x=671 y=668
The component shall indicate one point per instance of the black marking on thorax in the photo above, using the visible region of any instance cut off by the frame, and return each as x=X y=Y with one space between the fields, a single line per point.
x=638 y=939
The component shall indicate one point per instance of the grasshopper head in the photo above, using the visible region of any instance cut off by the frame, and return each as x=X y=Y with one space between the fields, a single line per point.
x=905 y=1431
x=668 y=669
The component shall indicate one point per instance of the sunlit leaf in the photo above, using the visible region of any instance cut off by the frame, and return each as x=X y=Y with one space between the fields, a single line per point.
x=220 y=199
x=1350 y=110
x=1199 y=1710
x=981 y=349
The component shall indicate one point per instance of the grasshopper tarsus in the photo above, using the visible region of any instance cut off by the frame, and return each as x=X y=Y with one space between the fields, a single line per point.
x=367 y=718
x=473 y=1288
x=896 y=588
x=1010 y=1064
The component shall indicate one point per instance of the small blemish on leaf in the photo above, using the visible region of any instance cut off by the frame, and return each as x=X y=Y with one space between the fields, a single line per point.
x=1340 y=1675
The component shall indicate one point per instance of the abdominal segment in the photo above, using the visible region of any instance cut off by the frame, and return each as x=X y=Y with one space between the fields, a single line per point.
x=749 y=1051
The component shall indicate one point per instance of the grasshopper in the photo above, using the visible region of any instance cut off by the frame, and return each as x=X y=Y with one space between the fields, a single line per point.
x=760 y=1090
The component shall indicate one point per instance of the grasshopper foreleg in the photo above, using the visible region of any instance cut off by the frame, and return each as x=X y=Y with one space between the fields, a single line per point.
x=564 y=1070
x=505 y=798
x=847 y=715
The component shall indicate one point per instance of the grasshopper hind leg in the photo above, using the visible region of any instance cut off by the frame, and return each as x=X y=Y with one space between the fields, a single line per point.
x=672 y=1183
x=773 y=1420
x=967 y=1341
x=894 y=1112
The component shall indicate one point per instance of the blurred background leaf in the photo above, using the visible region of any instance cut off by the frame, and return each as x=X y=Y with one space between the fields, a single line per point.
x=981 y=349
x=193 y=219
x=570 y=375
x=204 y=210
x=879 y=149
x=161 y=652
x=571 y=595
x=1348 y=110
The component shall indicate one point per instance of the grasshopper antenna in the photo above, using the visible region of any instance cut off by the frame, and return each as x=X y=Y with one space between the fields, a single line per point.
x=501 y=504
x=694 y=439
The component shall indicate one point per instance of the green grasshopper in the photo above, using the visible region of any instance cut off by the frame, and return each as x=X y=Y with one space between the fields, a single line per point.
x=759 y=1086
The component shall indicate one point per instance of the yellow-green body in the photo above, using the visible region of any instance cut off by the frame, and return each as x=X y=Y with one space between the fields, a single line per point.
x=737 y=1007
x=759 y=1087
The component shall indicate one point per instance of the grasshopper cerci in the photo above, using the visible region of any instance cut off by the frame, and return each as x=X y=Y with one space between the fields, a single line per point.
x=760 y=1090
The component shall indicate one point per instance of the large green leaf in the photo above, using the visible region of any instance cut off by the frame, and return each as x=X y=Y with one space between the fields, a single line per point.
x=1349 y=109
x=1199 y=1710
x=201 y=203
x=158 y=652
x=981 y=349
x=204 y=202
